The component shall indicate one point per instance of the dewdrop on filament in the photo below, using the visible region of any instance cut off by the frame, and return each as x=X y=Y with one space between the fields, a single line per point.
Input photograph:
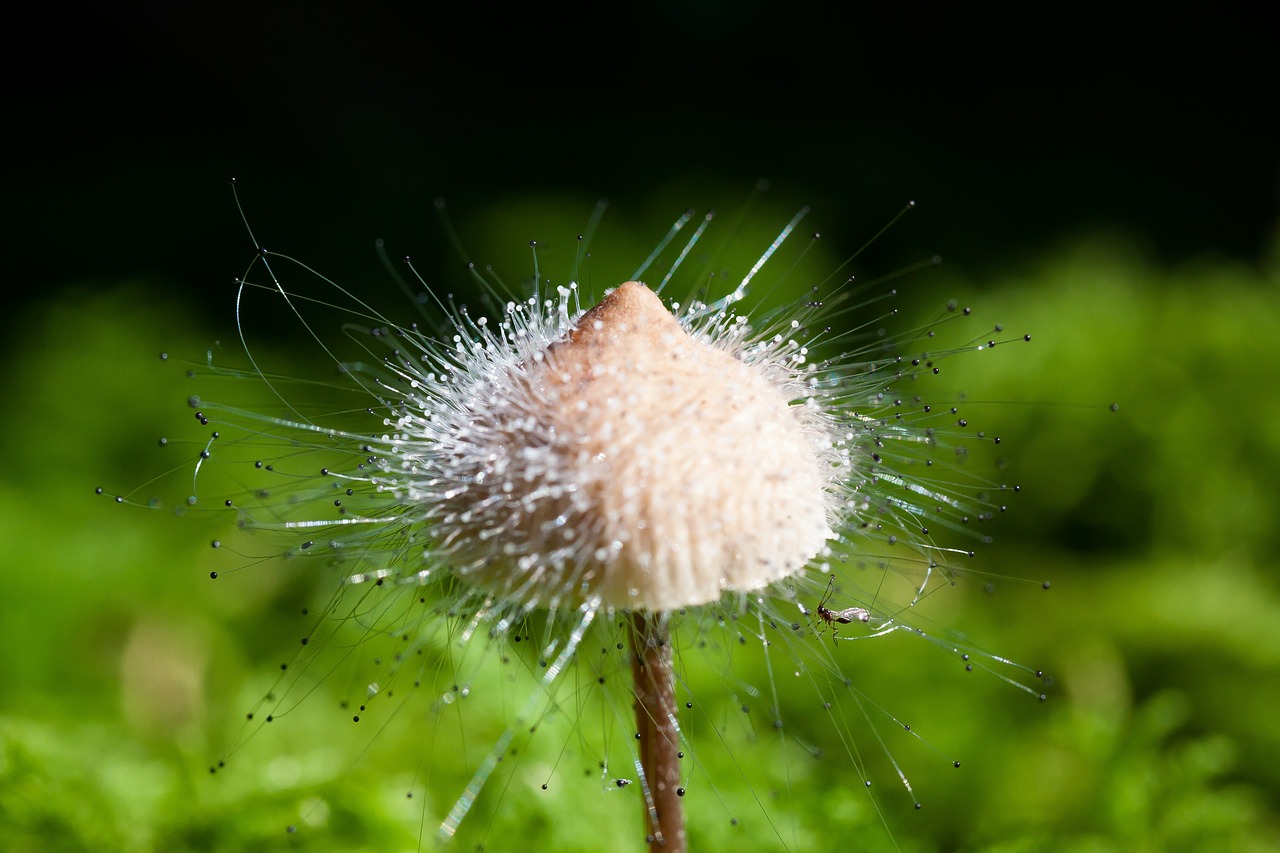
x=637 y=463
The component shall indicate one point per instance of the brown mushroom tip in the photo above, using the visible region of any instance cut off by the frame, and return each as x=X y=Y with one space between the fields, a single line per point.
x=629 y=310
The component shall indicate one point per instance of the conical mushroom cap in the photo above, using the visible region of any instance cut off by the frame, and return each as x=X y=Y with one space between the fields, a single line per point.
x=643 y=466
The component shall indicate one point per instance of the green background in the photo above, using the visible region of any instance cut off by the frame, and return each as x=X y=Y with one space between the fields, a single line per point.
x=1124 y=213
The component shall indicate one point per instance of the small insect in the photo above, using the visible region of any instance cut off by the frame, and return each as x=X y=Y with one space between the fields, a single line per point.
x=839 y=617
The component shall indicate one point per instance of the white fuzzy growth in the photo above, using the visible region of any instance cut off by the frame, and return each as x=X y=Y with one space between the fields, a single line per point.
x=615 y=457
x=624 y=457
x=620 y=458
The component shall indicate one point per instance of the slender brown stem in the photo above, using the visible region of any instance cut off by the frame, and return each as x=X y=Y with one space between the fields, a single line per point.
x=651 y=669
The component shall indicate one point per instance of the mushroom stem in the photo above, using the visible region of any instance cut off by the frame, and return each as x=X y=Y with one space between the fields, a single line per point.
x=658 y=732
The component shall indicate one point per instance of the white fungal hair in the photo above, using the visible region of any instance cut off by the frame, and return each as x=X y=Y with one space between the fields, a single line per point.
x=703 y=463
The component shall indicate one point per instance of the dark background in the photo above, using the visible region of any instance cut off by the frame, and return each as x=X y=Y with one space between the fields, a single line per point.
x=343 y=121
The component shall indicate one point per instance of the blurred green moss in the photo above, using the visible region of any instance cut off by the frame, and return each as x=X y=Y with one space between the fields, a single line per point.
x=126 y=670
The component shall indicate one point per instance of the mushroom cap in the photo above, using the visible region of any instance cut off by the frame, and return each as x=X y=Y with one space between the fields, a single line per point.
x=636 y=464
